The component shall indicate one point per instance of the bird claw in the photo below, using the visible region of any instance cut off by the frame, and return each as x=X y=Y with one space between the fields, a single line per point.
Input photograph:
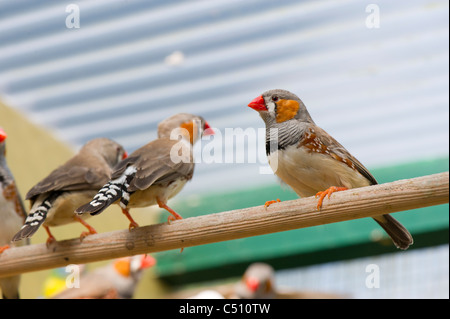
x=50 y=241
x=172 y=218
x=86 y=233
x=328 y=192
x=3 y=248
x=133 y=225
x=270 y=202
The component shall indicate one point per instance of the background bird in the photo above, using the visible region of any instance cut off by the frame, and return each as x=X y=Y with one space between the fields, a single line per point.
x=310 y=160
x=116 y=280
x=12 y=216
x=155 y=172
x=258 y=282
x=55 y=198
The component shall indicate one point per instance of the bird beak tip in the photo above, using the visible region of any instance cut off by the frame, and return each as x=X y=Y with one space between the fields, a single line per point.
x=258 y=104
x=207 y=130
x=252 y=284
x=3 y=135
x=147 y=261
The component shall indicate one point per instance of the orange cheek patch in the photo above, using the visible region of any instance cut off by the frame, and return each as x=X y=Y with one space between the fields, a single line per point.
x=189 y=126
x=123 y=267
x=286 y=110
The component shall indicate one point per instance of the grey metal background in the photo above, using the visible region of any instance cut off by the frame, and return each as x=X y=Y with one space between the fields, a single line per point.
x=382 y=92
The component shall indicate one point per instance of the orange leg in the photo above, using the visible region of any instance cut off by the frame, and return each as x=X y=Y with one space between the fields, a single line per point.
x=328 y=192
x=3 y=248
x=270 y=202
x=50 y=238
x=89 y=227
x=174 y=216
x=133 y=224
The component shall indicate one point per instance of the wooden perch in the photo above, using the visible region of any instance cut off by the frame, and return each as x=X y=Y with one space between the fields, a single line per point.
x=352 y=204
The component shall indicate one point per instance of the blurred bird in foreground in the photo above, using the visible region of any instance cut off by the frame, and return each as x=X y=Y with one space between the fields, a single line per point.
x=54 y=199
x=12 y=216
x=116 y=280
x=310 y=160
x=155 y=172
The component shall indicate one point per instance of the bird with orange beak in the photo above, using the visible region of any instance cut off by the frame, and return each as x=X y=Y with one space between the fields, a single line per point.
x=258 y=282
x=310 y=160
x=116 y=280
x=154 y=173
x=12 y=216
x=54 y=198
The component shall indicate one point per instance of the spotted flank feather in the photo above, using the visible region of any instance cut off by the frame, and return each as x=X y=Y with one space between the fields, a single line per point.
x=111 y=192
x=35 y=219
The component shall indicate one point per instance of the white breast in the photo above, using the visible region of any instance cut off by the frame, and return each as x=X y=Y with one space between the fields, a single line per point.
x=147 y=197
x=310 y=172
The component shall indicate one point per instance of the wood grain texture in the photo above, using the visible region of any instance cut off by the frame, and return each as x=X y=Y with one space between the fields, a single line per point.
x=347 y=205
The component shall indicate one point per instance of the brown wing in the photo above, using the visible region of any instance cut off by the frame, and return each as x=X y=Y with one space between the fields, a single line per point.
x=320 y=141
x=77 y=174
x=154 y=164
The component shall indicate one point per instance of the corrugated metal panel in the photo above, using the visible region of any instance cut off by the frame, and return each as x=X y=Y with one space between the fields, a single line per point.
x=382 y=92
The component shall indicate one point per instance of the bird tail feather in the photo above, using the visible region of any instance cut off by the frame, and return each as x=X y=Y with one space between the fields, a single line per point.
x=106 y=196
x=35 y=218
x=399 y=234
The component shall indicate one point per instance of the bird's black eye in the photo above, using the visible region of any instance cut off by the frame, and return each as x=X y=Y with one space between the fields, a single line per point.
x=275 y=98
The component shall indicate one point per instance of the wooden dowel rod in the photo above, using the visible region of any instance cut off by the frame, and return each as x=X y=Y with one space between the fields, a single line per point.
x=352 y=204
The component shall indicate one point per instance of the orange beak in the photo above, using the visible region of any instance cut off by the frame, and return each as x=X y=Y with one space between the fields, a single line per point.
x=252 y=284
x=207 y=130
x=258 y=104
x=147 y=261
x=3 y=135
x=125 y=155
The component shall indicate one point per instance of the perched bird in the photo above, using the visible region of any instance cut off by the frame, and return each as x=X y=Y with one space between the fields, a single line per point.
x=55 y=198
x=12 y=216
x=116 y=280
x=258 y=282
x=155 y=172
x=310 y=160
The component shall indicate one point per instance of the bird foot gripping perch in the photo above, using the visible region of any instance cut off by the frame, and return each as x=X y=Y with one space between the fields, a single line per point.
x=172 y=217
x=91 y=230
x=3 y=248
x=270 y=202
x=133 y=224
x=328 y=192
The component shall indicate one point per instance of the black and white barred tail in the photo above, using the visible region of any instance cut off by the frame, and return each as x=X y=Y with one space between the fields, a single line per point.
x=35 y=219
x=108 y=194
